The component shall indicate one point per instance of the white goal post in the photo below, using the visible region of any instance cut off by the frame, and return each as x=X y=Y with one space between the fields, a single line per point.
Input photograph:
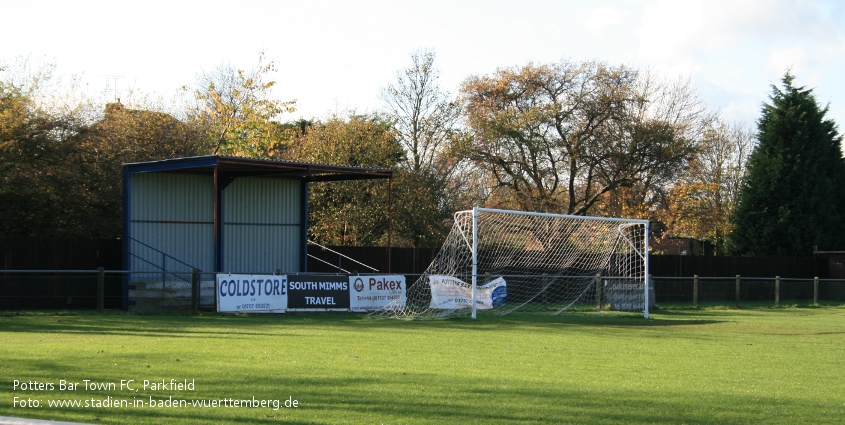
x=501 y=261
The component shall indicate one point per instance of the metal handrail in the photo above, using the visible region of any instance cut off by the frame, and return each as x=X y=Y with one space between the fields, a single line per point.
x=160 y=252
x=330 y=264
x=344 y=256
x=162 y=267
x=163 y=270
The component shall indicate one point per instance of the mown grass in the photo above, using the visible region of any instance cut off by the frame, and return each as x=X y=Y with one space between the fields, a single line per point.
x=719 y=366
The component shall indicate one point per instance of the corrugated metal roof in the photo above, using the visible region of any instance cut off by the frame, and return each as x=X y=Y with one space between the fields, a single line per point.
x=243 y=167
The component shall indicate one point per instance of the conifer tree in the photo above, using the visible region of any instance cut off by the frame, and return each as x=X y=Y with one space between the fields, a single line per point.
x=793 y=196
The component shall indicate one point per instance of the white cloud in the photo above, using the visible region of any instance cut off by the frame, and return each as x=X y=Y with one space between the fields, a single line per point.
x=745 y=109
x=789 y=58
x=735 y=50
x=597 y=21
x=334 y=53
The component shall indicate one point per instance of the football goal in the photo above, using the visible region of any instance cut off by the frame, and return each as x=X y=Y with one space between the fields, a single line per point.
x=501 y=261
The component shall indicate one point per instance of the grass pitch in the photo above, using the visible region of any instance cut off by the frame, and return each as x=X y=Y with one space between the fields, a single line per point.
x=774 y=366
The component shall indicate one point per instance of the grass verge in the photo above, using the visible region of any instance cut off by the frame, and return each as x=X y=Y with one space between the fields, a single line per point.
x=681 y=366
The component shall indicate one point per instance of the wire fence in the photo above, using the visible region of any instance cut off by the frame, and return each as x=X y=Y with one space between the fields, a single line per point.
x=180 y=291
x=105 y=290
x=193 y=291
x=737 y=290
x=60 y=289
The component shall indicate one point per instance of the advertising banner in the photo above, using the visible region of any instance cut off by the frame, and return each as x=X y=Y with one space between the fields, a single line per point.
x=318 y=292
x=370 y=293
x=245 y=293
x=451 y=293
x=628 y=296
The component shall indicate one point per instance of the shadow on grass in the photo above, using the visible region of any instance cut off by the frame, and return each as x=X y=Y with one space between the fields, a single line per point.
x=226 y=326
x=439 y=382
x=216 y=326
x=426 y=398
x=749 y=305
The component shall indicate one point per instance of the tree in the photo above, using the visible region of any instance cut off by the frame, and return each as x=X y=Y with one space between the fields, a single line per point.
x=423 y=115
x=37 y=194
x=21 y=144
x=237 y=113
x=560 y=137
x=355 y=213
x=675 y=106
x=700 y=205
x=63 y=179
x=792 y=198
x=61 y=156
x=351 y=213
x=123 y=135
x=420 y=209
x=425 y=121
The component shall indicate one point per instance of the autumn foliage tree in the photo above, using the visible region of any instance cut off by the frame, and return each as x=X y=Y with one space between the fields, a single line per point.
x=576 y=137
x=61 y=157
x=31 y=189
x=671 y=118
x=560 y=137
x=425 y=120
x=352 y=213
x=125 y=135
x=237 y=112
x=701 y=203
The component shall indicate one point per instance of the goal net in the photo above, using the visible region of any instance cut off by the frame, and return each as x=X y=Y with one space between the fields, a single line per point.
x=501 y=261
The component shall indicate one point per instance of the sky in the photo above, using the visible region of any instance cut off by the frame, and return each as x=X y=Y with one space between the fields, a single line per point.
x=335 y=56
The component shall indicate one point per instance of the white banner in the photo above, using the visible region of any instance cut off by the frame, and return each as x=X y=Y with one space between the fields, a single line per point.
x=250 y=293
x=451 y=293
x=492 y=294
x=376 y=292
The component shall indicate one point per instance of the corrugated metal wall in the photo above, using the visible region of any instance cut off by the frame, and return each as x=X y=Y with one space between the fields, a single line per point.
x=172 y=222
x=262 y=225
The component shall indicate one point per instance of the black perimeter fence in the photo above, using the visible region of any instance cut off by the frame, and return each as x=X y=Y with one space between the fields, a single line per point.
x=191 y=292
x=63 y=274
